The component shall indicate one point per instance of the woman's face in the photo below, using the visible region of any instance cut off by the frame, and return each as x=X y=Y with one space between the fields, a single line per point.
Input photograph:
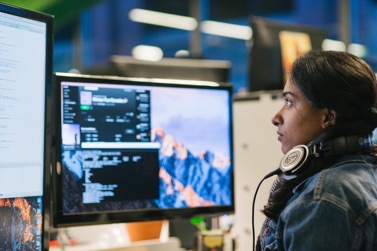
x=298 y=122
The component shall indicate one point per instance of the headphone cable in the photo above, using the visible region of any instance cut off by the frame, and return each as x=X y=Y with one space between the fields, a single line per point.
x=275 y=172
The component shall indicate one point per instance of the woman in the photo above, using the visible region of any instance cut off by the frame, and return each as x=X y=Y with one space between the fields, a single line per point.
x=328 y=199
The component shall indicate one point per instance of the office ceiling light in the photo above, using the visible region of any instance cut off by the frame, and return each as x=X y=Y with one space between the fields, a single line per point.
x=182 y=54
x=146 y=52
x=163 y=19
x=226 y=30
x=357 y=49
x=333 y=45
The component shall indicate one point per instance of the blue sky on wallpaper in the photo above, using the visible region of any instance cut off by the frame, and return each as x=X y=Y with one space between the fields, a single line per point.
x=196 y=118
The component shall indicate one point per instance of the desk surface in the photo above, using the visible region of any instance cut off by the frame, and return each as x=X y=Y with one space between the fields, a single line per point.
x=172 y=244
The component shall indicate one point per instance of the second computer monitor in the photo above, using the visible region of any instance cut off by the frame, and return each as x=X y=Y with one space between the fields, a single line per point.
x=137 y=149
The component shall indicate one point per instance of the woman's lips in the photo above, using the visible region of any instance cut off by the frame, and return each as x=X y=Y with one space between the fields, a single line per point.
x=280 y=136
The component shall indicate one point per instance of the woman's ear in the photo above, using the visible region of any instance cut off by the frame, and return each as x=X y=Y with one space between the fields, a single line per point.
x=329 y=118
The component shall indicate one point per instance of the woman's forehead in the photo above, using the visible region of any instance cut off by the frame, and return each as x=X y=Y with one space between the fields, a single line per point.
x=291 y=87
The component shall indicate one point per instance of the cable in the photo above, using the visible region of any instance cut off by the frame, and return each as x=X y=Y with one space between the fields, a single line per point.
x=252 y=212
x=275 y=172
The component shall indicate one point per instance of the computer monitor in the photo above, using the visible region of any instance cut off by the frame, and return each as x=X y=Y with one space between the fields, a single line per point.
x=273 y=48
x=25 y=78
x=172 y=68
x=130 y=149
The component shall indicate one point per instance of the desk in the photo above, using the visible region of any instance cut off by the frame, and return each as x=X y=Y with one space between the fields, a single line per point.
x=114 y=237
x=172 y=244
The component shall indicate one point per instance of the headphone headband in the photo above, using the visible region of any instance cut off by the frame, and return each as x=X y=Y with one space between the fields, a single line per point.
x=345 y=144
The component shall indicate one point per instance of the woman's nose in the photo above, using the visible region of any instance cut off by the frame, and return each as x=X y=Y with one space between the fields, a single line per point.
x=276 y=119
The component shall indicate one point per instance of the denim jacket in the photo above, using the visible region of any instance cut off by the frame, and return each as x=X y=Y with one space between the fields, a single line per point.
x=335 y=209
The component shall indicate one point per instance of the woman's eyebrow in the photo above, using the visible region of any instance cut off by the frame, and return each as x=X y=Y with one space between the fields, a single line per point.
x=288 y=93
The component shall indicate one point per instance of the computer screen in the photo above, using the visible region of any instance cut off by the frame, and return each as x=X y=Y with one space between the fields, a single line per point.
x=130 y=149
x=273 y=48
x=171 y=68
x=25 y=79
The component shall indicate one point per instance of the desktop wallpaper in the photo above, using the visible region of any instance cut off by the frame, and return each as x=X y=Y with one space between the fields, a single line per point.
x=193 y=129
x=20 y=223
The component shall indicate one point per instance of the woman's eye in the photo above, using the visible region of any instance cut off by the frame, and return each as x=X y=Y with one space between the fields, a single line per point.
x=288 y=102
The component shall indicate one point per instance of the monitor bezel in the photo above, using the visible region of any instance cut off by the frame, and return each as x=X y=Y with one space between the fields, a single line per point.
x=180 y=68
x=80 y=219
x=48 y=20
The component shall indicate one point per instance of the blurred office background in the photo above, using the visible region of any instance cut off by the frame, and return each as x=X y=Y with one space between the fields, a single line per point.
x=89 y=32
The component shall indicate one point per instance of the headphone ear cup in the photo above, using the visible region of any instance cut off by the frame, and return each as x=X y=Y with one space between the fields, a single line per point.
x=293 y=162
x=294 y=159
